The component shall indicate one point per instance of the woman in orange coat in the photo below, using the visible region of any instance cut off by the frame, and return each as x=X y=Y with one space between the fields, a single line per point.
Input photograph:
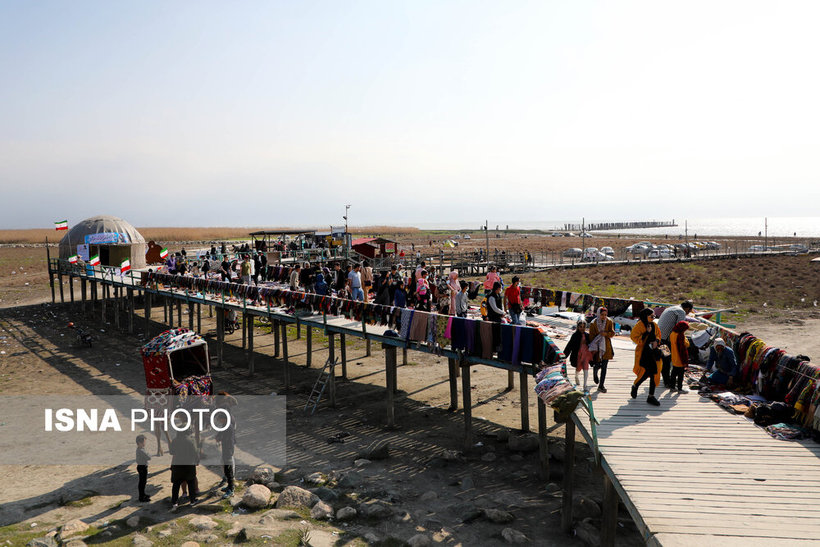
x=646 y=335
x=680 y=354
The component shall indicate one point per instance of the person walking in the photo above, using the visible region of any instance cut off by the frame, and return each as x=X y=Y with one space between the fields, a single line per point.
x=670 y=317
x=601 y=331
x=646 y=336
x=680 y=354
x=354 y=279
x=512 y=297
x=577 y=351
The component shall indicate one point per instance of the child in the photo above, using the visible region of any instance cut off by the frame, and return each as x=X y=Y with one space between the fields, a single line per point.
x=462 y=303
x=142 y=468
x=227 y=439
x=422 y=288
x=400 y=296
x=680 y=354
x=578 y=352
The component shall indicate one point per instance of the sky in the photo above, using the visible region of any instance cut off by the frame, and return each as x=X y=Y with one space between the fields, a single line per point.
x=198 y=113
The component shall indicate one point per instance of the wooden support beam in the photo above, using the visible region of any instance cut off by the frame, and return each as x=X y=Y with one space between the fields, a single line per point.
x=404 y=356
x=285 y=363
x=244 y=330
x=525 y=401
x=179 y=313
x=220 y=335
x=250 y=348
x=199 y=317
x=116 y=306
x=367 y=349
x=543 y=440
x=191 y=315
x=60 y=280
x=71 y=288
x=569 y=469
x=275 y=331
x=309 y=356
x=609 y=521
x=103 y=290
x=343 y=346
x=82 y=295
x=468 y=406
x=390 y=380
x=298 y=329
x=331 y=354
x=452 y=366
x=165 y=312
x=51 y=280
x=510 y=380
x=147 y=305
x=131 y=310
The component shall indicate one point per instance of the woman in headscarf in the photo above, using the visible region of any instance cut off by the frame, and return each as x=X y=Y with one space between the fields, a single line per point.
x=455 y=288
x=320 y=287
x=646 y=335
x=601 y=331
x=680 y=354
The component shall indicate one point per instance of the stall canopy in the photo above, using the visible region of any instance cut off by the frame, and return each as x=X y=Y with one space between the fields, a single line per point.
x=374 y=247
x=173 y=357
x=112 y=238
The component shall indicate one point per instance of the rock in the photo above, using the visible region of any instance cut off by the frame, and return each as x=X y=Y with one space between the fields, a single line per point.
x=467 y=483
x=503 y=435
x=498 y=516
x=471 y=514
x=404 y=516
x=513 y=536
x=583 y=508
x=372 y=537
x=375 y=509
x=378 y=450
x=346 y=513
x=587 y=533
x=419 y=540
x=272 y=485
x=552 y=487
x=72 y=527
x=256 y=496
x=235 y=529
x=326 y=494
x=361 y=462
x=451 y=455
x=42 y=542
x=263 y=474
x=268 y=517
x=293 y=496
x=164 y=533
x=523 y=443
x=516 y=458
x=205 y=537
x=556 y=451
x=351 y=479
x=75 y=543
x=141 y=541
x=488 y=457
x=203 y=524
x=427 y=497
x=317 y=479
x=190 y=544
x=321 y=511
x=133 y=522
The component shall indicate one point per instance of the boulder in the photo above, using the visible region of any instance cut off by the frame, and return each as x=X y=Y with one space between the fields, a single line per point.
x=346 y=513
x=133 y=522
x=523 y=443
x=141 y=541
x=503 y=435
x=321 y=511
x=205 y=537
x=586 y=532
x=419 y=540
x=271 y=515
x=375 y=509
x=428 y=497
x=162 y=534
x=256 y=496
x=71 y=528
x=467 y=483
x=202 y=523
x=498 y=516
x=190 y=544
x=75 y=543
x=361 y=462
x=513 y=536
x=263 y=474
x=488 y=457
x=377 y=450
x=317 y=479
x=556 y=451
x=293 y=496
x=351 y=479
x=583 y=508
x=47 y=541
x=325 y=494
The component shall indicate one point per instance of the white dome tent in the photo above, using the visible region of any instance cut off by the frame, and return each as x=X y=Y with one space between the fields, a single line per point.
x=112 y=238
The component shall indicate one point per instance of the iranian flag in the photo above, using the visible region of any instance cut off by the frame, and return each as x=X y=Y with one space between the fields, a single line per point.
x=164 y=253
x=94 y=260
x=73 y=259
x=125 y=265
x=61 y=225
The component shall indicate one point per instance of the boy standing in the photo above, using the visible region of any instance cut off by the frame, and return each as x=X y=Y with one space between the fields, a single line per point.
x=142 y=468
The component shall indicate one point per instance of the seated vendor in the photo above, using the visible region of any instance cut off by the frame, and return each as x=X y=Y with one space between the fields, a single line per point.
x=723 y=359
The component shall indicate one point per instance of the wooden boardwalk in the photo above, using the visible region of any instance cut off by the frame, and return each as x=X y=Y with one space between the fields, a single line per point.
x=691 y=473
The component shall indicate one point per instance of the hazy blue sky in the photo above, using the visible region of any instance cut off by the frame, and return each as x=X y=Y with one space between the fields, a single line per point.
x=279 y=113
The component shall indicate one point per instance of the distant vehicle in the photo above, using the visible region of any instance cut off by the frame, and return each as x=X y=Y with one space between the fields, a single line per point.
x=569 y=234
x=467 y=236
x=594 y=255
x=608 y=251
x=556 y=234
x=757 y=248
x=591 y=250
x=714 y=245
x=574 y=252
x=585 y=234
x=798 y=248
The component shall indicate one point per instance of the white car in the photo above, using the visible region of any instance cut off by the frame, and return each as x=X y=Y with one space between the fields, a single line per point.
x=574 y=252
x=608 y=251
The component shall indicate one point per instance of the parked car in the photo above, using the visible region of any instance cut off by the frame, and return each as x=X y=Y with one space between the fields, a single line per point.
x=574 y=252
x=608 y=251
x=757 y=248
x=557 y=234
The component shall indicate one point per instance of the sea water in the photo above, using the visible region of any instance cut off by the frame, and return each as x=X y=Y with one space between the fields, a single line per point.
x=750 y=226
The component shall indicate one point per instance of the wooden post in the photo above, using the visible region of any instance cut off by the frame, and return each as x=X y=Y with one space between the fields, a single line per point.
x=130 y=310
x=298 y=329
x=60 y=280
x=82 y=295
x=250 y=348
x=309 y=356
x=116 y=306
x=404 y=356
x=165 y=311
x=147 y=305
x=199 y=317
x=525 y=402
x=609 y=521
x=468 y=406
x=191 y=315
x=331 y=354
x=71 y=287
x=367 y=350
x=390 y=380
x=452 y=366
x=103 y=288
x=543 y=440
x=285 y=355
x=51 y=278
x=343 y=346
x=510 y=380
x=179 y=313
x=569 y=468
x=276 y=338
x=220 y=335
x=244 y=330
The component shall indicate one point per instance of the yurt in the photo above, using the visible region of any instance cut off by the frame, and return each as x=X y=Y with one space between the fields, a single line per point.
x=112 y=238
